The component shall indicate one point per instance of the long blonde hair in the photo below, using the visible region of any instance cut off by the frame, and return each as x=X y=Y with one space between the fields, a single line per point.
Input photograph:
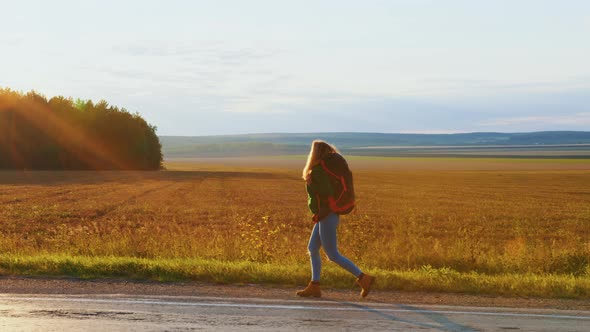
x=319 y=150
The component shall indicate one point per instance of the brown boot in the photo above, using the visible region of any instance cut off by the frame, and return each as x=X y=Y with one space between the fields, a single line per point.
x=313 y=289
x=366 y=282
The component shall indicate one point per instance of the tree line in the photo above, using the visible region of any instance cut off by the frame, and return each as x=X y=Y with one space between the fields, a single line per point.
x=63 y=133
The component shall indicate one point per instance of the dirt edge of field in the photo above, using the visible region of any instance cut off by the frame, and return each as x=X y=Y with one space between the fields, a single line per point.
x=73 y=286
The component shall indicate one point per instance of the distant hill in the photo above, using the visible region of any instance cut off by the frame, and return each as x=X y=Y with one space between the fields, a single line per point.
x=365 y=143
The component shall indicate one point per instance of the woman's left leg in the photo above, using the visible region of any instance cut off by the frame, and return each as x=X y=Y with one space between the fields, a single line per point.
x=328 y=236
x=314 y=246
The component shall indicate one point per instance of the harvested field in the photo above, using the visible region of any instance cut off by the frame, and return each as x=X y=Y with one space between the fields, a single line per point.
x=490 y=217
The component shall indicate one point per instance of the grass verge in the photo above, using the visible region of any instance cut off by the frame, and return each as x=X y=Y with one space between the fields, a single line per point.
x=423 y=279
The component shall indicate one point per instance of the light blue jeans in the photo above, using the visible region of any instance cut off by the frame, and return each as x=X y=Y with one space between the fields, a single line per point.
x=324 y=234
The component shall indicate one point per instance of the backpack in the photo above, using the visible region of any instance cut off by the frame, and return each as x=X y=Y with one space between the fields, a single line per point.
x=342 y=201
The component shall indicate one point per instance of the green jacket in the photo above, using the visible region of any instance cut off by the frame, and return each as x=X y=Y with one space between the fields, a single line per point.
x=318 y=192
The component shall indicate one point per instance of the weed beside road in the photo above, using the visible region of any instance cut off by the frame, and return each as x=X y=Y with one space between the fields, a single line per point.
x=516 y=231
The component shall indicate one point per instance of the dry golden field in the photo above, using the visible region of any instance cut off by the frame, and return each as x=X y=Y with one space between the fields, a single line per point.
x=490 y=220
x=492 y=216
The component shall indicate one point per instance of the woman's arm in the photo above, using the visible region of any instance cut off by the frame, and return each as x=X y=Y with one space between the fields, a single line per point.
x=318 y=190
x=320 y=183
x=312 y=199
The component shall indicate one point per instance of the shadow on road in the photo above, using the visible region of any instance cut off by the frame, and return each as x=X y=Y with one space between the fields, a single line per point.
x=444 y=323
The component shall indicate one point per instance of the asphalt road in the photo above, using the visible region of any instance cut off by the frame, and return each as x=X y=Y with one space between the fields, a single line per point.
x=95 y=312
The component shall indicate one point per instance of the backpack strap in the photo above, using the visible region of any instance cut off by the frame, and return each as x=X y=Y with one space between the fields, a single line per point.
x=339 y=177
x=327 y=169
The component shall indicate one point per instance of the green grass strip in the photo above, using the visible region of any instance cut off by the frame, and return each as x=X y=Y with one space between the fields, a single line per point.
x=424 y=279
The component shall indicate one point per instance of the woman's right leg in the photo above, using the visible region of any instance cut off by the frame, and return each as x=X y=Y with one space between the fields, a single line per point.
x=315 y=243
x=328 y=239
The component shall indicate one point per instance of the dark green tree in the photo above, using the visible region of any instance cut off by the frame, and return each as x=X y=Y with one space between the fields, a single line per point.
x=60 y=133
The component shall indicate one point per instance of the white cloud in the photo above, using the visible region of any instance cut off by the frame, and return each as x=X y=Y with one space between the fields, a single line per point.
x=11 y=41
x=573 y=119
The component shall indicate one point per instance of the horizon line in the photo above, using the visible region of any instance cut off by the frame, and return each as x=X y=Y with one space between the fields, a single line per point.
x=383 y=133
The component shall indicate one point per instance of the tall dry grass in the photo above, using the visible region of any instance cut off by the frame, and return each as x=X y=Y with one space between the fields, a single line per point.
x=490 y=222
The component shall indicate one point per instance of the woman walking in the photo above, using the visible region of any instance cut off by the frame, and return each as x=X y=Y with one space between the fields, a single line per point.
x=320 y=190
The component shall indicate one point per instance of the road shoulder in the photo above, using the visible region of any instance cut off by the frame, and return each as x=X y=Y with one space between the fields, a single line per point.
x=40 y=285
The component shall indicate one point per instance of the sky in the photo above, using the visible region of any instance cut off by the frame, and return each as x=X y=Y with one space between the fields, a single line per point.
x=233 y=67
